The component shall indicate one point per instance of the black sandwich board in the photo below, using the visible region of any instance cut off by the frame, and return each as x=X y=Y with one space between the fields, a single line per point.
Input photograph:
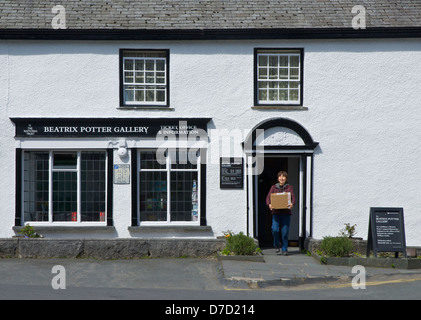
x=386 y=231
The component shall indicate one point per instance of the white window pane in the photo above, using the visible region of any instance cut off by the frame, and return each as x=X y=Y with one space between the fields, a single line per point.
x=283 y=84
x=294 y=61
x=140 y=65
x=283 y=61
x=273 y=73
x=263 y=95
x=263 y=84
x=149 y=65
x=160 y=65
x=273 y=95
x=273 y=84
x=160 y=95
x=294 y=84
x=150 y=77
x=263 y=61
x=283 y=73
x=65 y=160
x=294 y=73
x=128 y=64
x=183 y=196
x=263 y=73
x=140 y=77
x=93 y=186
x=64 y=196
x=140 y=95
x=160 y=77
x=36 y=186
x=293 y=95
x=273 y=61
x=150 y=95
x=283 y=95
x=153 y=195
x=128 y=77
x=149 y=160
x=128 y=95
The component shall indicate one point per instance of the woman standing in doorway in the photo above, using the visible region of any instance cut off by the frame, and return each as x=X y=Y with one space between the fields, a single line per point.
x=281 y=218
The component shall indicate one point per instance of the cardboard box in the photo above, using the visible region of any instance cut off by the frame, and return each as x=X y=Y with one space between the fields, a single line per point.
x=280 y=200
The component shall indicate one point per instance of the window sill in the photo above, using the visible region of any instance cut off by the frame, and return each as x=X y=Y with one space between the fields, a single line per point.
x=277 y=107
x=169 y=229
x=79 y=228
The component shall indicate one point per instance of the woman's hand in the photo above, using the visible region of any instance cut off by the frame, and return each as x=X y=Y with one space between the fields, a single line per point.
x=270 y=206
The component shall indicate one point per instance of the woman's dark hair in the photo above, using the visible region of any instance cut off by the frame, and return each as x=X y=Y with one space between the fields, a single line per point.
x=283 y=173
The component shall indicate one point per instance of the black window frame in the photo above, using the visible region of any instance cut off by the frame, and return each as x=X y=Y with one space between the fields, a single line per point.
x=135 y=174
x=19 y=184
x=121 y=81
x=287 y=105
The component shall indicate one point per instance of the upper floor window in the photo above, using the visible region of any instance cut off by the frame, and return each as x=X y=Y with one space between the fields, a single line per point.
x=144 y=77
x=278 y=77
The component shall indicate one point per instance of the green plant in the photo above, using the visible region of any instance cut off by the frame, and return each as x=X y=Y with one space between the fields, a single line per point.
x=28 y=232
x=336 y=246
x=226 y=252
x=239 y=244
x=348 y=231
x=319 y=253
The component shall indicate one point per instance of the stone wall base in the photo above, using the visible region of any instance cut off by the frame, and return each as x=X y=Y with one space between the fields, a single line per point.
x=109 y=248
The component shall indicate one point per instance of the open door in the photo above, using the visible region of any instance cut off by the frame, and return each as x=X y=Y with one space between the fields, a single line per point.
x=273 y=145
x=272 y=165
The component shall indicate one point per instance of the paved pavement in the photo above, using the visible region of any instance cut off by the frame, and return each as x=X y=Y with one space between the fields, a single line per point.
x=299 y=269
x=183 y=278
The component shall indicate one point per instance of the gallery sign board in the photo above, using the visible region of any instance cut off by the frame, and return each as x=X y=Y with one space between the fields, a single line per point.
x=386 y=231
x=107 y=127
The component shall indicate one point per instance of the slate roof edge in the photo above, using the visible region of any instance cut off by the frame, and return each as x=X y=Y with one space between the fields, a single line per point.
x=210 y=34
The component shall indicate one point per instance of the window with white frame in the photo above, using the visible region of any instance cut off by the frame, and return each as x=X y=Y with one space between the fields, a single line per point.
x=169 y=188
x=64 y=186
x=144 y=77
x=278 y=77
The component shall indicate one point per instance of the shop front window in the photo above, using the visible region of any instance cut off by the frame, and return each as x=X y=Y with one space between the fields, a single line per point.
x=168 y=189
x=64 y=186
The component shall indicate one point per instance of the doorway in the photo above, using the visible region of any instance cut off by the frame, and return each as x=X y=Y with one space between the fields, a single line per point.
x=272 y=165
x=279 y=144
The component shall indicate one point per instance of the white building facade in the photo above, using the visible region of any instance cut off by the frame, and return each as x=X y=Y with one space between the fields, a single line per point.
x=175 y=135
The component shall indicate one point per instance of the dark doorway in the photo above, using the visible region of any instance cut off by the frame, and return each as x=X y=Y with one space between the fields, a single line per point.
x=274 y=164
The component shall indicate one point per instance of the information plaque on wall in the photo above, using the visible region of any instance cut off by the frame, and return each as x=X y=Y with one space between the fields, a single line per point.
x=231 y=173
x=121 y=174
x=386 y=231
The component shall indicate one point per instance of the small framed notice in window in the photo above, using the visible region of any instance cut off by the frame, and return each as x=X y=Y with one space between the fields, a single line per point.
x=121 y=174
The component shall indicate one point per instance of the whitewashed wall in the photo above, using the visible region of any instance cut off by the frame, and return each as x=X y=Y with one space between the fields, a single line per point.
x=362 y=99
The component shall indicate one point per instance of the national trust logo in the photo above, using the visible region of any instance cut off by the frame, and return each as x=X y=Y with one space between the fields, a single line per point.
x=30 y=131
